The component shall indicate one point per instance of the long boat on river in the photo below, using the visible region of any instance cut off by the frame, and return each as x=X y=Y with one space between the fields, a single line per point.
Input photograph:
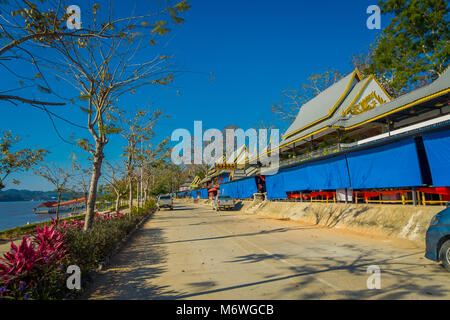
x=50 y=207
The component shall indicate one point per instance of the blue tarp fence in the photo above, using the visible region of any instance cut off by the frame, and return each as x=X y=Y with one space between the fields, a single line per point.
x=240 y=189
x=437 y=147
x=395 y=165
x=391 y=166
x=204 y=194
x=328 y=174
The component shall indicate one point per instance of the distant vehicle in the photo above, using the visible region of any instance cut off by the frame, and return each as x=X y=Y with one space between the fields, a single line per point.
x=223 y=203
x=438 y=238
x=165 y=201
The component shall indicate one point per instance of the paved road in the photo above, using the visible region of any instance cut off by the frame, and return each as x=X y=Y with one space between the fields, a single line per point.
x=196 y=253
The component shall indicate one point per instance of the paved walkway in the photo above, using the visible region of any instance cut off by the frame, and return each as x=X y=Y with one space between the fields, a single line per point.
x=196 y=253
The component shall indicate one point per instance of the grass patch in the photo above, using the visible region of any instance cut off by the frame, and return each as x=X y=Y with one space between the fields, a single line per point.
x=24 y=230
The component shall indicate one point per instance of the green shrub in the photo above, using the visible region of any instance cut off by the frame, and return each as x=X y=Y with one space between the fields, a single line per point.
x=86 y=249
x=147 y=207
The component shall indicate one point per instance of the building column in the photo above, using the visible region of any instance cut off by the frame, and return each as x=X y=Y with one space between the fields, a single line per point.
x=339 y=139
x=414 y=197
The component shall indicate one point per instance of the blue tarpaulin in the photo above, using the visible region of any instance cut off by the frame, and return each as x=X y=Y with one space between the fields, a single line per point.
x=240 y=189
x=328 y=174
x=437 y=147
x=229 y=189
x=391 y=166
x=204 y=194
x=275 y=186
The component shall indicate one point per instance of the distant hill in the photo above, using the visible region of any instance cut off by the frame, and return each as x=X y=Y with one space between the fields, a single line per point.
x=27 y=195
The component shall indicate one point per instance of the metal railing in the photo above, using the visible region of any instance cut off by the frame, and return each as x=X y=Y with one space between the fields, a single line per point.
x=315 y=154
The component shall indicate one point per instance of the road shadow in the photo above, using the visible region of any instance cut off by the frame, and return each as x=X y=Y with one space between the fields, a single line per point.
x=407 y=279
x=255 y=258
x=238 y=206
x=240 y=235
x=129 y=275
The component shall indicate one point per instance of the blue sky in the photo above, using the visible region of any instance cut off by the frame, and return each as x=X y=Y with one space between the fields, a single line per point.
x=256 y=49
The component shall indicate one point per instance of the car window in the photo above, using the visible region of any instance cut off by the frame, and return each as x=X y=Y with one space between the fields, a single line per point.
x=224 y=197
x=164 y=198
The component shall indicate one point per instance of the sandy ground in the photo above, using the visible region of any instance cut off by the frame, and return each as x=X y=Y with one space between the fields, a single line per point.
x=196 y=253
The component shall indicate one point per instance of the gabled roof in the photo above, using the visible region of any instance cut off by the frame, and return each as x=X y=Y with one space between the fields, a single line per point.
x=324 y=105
x=195 y=182
x=438 y=88
x=351 y=103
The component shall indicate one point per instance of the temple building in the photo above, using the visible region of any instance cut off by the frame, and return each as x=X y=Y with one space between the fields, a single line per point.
x=354 y=139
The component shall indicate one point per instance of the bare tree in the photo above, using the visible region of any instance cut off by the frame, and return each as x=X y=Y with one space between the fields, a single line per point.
x=117 y=180
x=45 y=22
x=102 y=69
x=58 y=177
x=136 y=130
x=82 y=180
x=292 y=100
x=150 y=157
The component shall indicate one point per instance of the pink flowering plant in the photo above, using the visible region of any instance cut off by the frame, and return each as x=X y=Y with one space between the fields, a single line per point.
x=21 y=268
x=36 y=268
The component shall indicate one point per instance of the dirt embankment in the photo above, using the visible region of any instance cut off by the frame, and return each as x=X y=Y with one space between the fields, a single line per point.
x=405 y=222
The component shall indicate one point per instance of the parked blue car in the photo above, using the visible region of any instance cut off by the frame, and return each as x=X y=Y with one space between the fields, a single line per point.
x=438 y=238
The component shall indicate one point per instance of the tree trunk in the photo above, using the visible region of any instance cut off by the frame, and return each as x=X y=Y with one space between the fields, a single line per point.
x=96 y=173
x=117 y=201
x=130 y=199
x=85 y=201
x=138 y=198
x=57 y=208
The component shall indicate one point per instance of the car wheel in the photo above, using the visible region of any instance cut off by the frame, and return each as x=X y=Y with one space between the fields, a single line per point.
x=444 y=255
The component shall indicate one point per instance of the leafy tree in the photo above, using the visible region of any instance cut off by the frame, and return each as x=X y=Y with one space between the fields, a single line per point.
x=166 y=177
x=16 y=161
x=414 y=49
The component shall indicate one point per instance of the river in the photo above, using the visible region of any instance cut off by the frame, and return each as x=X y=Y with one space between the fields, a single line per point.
x=15 y=214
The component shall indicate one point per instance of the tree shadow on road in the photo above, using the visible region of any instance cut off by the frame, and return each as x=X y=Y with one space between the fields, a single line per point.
x=255 y=258
x=131 y=271
x=228 y=236
x=405 y=278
